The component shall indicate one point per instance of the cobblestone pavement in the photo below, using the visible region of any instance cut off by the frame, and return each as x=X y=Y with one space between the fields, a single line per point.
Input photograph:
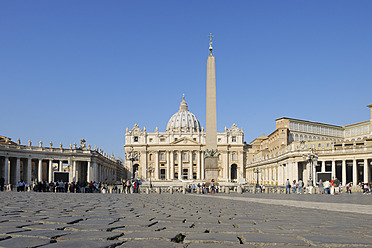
x=163 y=220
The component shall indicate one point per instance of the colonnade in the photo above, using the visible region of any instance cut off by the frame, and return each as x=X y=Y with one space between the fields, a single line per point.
x=346 y=170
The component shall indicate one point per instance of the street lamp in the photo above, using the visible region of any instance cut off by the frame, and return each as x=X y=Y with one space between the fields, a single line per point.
x=257 y=171
x=150 y=171
x=311 y=158
x=132 y=156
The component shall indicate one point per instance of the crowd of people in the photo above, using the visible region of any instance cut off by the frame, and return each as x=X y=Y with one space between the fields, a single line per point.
x=333 y=186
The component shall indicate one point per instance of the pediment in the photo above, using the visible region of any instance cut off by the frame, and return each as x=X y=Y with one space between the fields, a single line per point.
x=185 y=141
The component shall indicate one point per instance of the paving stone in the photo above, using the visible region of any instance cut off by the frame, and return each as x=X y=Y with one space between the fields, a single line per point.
x=10 y=230
x=61 y=220
x=216 y=245
x=51 y=234
x=92 y=235
x=3 y=237
x=344 y=240
x=212 y=238
x=270 y=239
x=162 y=235
x=84 y=244
x=21 y=242
x=150 y=243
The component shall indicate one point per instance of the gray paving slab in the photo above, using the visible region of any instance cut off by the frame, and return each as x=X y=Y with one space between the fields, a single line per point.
x=21 y=242
x=84 y=244
x=96 y=219
x=150 y=243
x=220 y=238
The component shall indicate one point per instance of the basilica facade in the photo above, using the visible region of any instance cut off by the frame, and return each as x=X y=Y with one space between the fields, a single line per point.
x=178 y=153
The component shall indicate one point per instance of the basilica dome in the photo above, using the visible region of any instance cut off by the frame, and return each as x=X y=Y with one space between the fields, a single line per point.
x=183 y=120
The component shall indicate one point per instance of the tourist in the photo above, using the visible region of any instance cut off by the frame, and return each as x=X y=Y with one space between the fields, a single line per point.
x=129 y=184
x=287 y=187
x=321 y=187
x=327 y=186
x=294 y=186
x=300 y=185
x=124 y=186
x=348 y=187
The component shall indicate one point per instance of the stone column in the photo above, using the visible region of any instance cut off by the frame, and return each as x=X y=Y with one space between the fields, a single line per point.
x=28 y=172
x=333 y=168
x=227 y=171
x=172 y=165
x=198 y=169
x=271 y=175
x=295 y=171
x=168 y=176
x=6 y=170
x=280 y=174
x=18 y=170
x=60 y=166
x=355 y=172
x=94 y=177
x=179 y=165
x=202 y=167
x=50 y=174
x=322 y=165
x=74 y=171
x=156 y=172
x=89 y=172
x=344 y=172
x=40 y=171
x=365 y=171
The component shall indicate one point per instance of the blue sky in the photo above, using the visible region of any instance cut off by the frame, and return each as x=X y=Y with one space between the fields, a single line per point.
x=89 y=69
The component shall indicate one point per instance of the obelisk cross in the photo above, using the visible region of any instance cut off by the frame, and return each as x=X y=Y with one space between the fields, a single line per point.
x=210 y=43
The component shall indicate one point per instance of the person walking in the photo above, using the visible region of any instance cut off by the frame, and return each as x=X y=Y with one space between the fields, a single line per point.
x=300 y=185
x=287 y=187
x=294 y=186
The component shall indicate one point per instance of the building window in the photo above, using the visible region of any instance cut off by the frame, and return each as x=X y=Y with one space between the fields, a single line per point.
x=162 y=156
x=185 y=157
x=319 y=145
x=162 y=174
x=175 y=156
x=233 y=139
x=234 y=156
x=135 y=138
x=162 y=140
x=328 y=145
x=193 y=156
x=150 y=157
x=150 y=140
x=176 y=175
x=194 y=176
x=219 y=139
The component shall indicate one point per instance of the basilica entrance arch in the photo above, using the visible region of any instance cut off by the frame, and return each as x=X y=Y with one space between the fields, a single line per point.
x=234 y=172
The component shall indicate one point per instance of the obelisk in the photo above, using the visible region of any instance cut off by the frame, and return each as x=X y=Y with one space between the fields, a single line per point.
x=211 y=153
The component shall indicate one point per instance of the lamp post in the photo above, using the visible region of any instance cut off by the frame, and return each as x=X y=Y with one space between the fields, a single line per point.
x=150 y=171
x=257 y=171
x=311 y=158
x=133 y=156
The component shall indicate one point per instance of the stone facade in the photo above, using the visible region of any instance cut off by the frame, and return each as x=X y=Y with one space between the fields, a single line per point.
x=178 y=153
x=344 y=152
x=30 y=163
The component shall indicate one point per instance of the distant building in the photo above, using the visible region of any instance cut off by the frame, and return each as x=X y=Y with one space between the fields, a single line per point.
x=31 y=163
x=343 y=151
